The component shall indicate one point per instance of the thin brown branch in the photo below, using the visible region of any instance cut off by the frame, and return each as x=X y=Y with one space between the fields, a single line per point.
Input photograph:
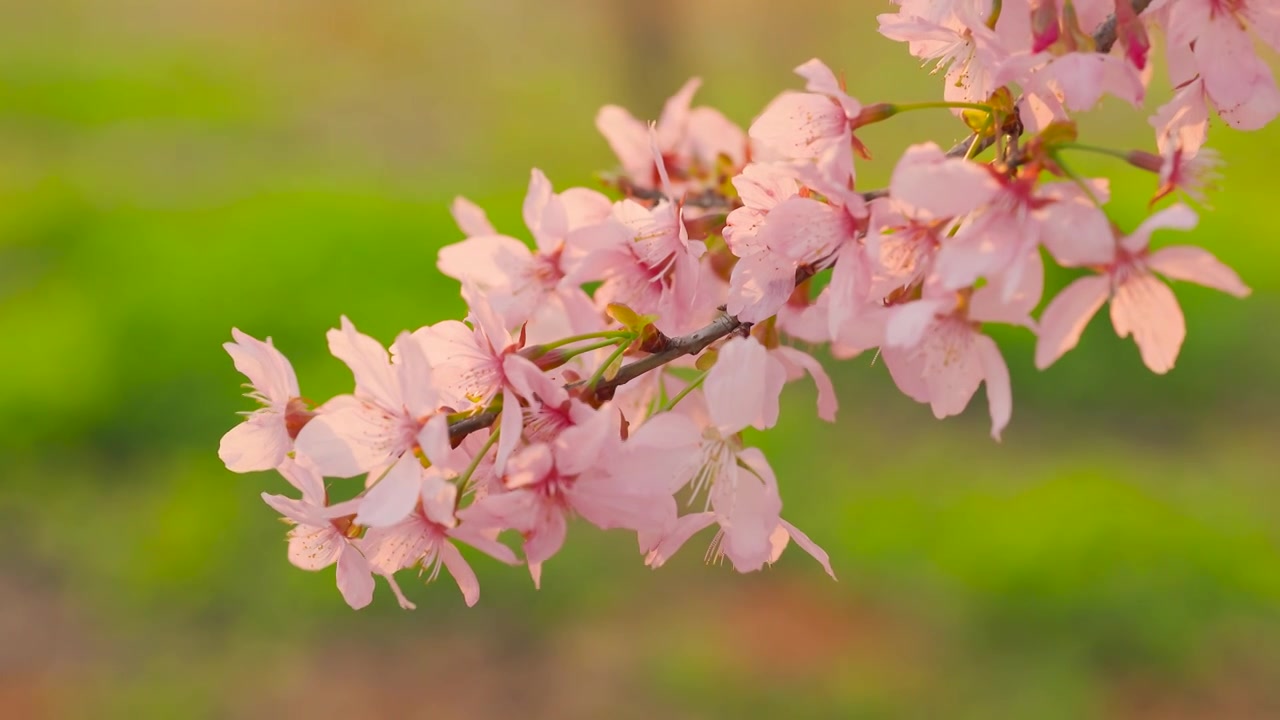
x=1104 y=38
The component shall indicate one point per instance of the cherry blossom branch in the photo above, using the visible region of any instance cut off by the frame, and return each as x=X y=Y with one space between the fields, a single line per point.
x=1103 y=39
x=667 y=350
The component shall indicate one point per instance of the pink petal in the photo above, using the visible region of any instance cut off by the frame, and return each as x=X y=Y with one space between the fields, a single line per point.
x=544 y=542
x=544 y=214
x=470 y=218
x=417 y=392
x=759 y=286
x=314 y=547
x=908 y=323
x=1146 y=308
x=1197 y=265
x=674 y=121
x=996 y=375
x=368 y=362
x=461 y=572
x=827 y=403
x=906 y=367
x=629 y=139
x=1177 y=217
x=1239 y=82
x=269 y=372
x=304 y=478
x=1066 y=316
x=736 y=387
x=1184 y=120
x=747 y=506
x=355 y=579
x=711 y=135
x=350 y=441
x=1013 y=296
x=805 y=230
x=486 y=261
x=512 y=422
x=394 y=495
x=584 y=207
x=403 y=601
x=685 y=527
x=259 y=443
x=800 y=125
x=485 y=544
x=1075 y=230
x=809 y=546
x=930 y=184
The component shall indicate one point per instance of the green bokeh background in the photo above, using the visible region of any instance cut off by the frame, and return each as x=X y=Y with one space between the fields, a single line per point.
x=170 y=169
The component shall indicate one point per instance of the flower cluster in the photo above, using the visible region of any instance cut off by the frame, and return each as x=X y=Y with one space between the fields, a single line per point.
x=626 y=406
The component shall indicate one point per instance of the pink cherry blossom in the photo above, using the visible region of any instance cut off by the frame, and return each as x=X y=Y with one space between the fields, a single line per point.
x=648 y=263
x=545 y=482
x=937 y=354
x=1020 y=217
x=955 y=35
x=1236 y=79
x=690 y=143
x=425 y=539
x=740 y=390
x=812 y=128
x=1141 y=305
x=266 y=436
x=369 y=431
x=322 y=536
x=474 y=365
x=531 y=286
x=746 y=507
x=1183 y=122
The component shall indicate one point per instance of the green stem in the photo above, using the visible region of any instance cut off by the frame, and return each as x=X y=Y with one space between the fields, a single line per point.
x=598 y=375
x=1093 y=149
x=693 y=385
x=612 y=334
x=908 y=107
x=996 y=7
x=1075 y=178
x=594 y=346
x=465 y=477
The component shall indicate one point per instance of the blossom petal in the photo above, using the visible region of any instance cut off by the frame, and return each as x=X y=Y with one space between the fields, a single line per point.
x=512 y=422
x=1066 y=316
x=355 y=578
x=1176 y=217
x=368 y=362
x=267 y=369
x=461 y=572
x=931 y=184
x=314 y=547
x=685 y=527
x=470 y=218
x=544 y=214
x=347 y=442
x=259 y=443
x=394 y=495
x=827 y=403
x=1146 y=308
x=809 y=546
x=996 y=376
x=1197 y=265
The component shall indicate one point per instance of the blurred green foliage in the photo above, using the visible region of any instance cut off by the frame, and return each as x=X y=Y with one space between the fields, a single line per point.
x=170 y=172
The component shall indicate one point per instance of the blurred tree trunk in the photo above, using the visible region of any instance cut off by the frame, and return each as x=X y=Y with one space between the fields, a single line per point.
x=649 y=32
